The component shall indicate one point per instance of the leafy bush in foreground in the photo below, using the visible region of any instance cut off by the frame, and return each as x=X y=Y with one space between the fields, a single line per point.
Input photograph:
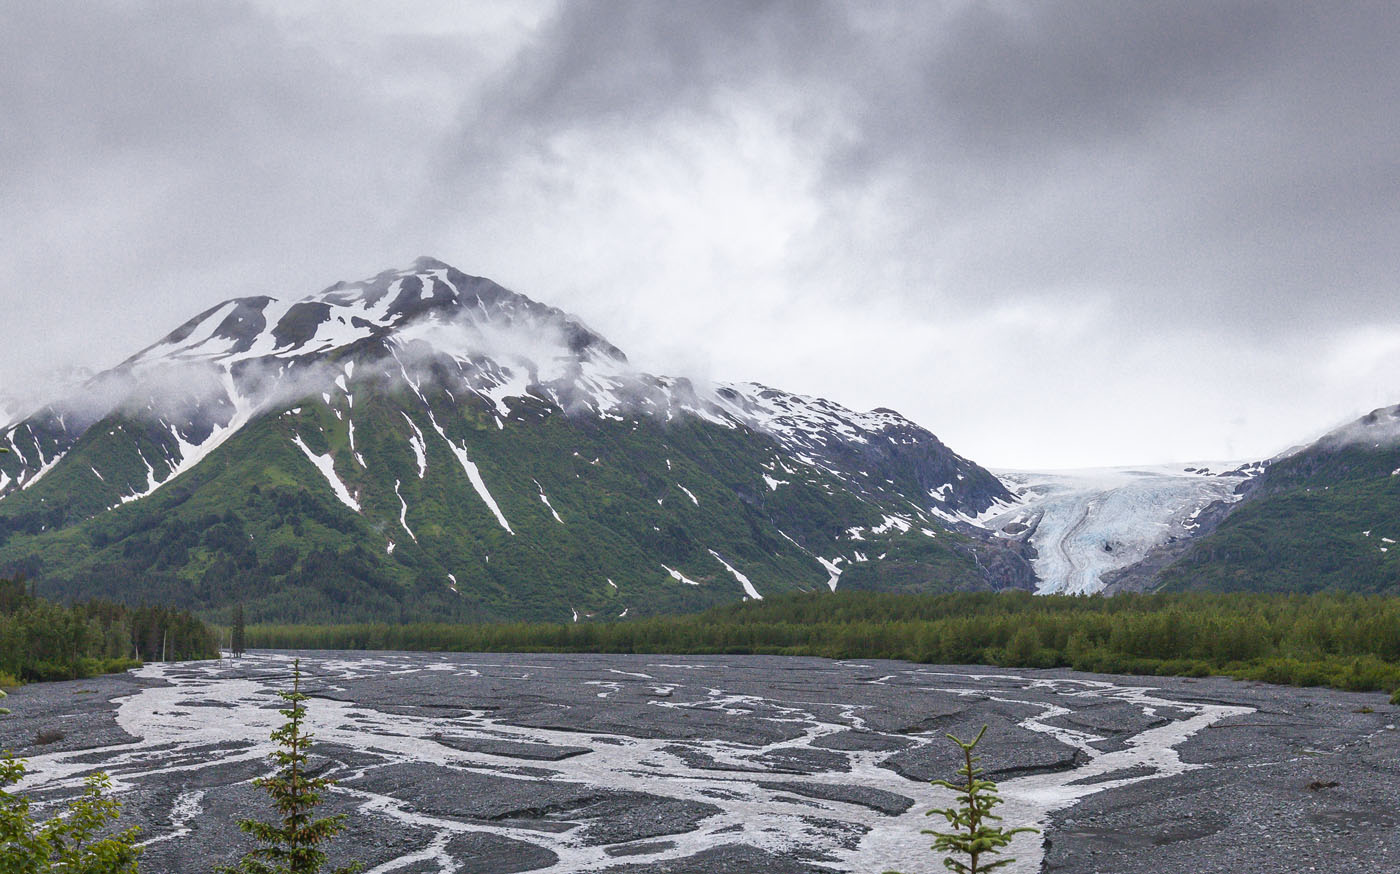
x=68 y=843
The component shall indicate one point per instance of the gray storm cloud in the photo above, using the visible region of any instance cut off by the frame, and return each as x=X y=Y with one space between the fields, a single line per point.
x=1142 y=231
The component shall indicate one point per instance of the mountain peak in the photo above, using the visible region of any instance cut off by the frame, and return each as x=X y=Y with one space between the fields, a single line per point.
x=427 y=262
x=547 y=476
x=391 y=304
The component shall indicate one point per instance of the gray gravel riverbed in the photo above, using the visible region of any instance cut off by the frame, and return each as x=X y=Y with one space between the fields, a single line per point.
x=700 y=765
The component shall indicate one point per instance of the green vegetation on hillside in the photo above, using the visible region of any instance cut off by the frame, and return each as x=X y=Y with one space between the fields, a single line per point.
x=44 y=641
x=1345 y=641
x=1327 y=518
x=599 y=509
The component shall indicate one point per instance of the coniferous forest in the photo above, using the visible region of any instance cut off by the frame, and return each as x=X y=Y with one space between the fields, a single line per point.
x=1345 y=641
x=40 y=640
x=1349 y=642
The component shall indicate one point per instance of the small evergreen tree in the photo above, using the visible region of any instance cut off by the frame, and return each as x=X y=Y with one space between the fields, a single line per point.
x=975 y=833
x=65 y=843
x=293 y=845
x=236 y=642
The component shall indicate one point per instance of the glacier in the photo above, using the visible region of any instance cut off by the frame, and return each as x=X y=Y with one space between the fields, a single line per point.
x=1087 y=523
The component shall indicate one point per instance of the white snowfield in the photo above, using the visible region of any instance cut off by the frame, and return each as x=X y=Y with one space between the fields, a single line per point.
x=749 y=590
x=678 y=576
x=509 y=347
x=326 y=466
x=473 y=475
x=1090 y=522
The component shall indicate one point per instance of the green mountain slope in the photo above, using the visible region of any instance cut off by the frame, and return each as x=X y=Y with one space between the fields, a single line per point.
x=1324 y=518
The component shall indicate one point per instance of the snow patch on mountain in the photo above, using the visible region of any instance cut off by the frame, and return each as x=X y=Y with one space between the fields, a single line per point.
x=891 y=523
x=420 y=449
x=403 y=512
x=326 y=466
x=749 y=590
x=151 y=483
x=545 y=499
x=833 y=571
x=678 y=576
x=193 y=453
x=473 y=475
x=44 y=468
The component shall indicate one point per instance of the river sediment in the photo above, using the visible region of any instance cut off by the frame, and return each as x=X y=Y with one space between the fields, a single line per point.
x=709 y=764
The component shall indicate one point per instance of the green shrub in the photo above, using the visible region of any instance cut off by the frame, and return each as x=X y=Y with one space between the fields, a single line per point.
x=68 y=843
x=974 y=833
x=292 y=845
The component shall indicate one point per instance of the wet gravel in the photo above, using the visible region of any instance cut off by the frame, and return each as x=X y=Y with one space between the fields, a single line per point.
x=690 y=765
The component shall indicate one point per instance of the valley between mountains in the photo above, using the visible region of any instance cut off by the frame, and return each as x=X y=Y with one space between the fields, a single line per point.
x=425 y=444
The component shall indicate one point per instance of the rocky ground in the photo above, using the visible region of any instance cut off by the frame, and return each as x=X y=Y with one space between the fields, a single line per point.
x=703 y=765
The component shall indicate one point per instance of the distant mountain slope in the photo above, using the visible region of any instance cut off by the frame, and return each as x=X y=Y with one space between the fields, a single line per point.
x=427 y=444
x=1324 y=517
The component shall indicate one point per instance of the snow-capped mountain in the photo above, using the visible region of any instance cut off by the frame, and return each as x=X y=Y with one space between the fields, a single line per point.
x=436 y=423
x=214 y=373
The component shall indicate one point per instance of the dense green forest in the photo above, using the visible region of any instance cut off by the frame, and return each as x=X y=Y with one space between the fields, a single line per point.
x=1345 y=641
x=40 y=640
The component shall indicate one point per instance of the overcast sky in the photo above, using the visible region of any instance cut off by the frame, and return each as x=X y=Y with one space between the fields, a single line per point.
x=1055 y=234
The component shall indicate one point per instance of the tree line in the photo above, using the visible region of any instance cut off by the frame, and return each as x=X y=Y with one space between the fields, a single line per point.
x=1345 y=641
x=40 y=640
